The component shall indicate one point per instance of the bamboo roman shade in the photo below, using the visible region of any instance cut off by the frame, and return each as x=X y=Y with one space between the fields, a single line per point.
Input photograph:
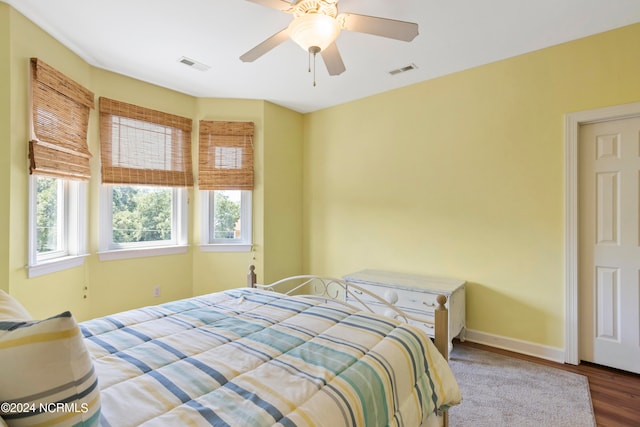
x=60 y=117
x=143 y=146
x=225 y=156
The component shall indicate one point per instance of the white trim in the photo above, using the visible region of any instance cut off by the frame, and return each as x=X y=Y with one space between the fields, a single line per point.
x=571 y=240
x=57 y=264
x=182 y=216
x=77 y=220
x=204 y=217
x=105 y=219
x=523 y=347
x=142 y=252
x=572 y=125
x=33 y=234
x=218 y=247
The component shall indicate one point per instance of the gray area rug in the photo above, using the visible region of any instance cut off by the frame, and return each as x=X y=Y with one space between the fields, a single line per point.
x=503 y=391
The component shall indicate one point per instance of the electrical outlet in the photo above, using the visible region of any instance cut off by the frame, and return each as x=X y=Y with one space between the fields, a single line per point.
x=156 y=291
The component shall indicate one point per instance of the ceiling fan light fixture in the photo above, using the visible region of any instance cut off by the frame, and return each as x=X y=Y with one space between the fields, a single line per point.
x=314 y=30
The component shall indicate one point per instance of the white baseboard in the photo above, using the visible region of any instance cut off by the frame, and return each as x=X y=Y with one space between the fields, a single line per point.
x=524 y=347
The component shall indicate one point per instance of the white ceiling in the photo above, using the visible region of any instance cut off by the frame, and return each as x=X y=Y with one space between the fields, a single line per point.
x=144 y=39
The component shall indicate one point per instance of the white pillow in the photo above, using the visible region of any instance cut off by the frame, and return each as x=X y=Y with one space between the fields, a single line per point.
x=11 y=309
x=46 y=374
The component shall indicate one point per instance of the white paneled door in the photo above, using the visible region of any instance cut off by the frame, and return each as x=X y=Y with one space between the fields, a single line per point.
x=609 y=243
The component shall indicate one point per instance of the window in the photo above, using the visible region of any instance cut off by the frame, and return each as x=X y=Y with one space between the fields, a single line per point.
x=56 y=224
x=226 y=183
x=226 y=220
x=142 y=221
x=146 y=162
x=50 y=214
x=59 y=165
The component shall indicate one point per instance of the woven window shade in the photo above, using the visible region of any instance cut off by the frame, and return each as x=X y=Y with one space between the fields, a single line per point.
x=143 y=146
x=225 y=156
x=60 y=109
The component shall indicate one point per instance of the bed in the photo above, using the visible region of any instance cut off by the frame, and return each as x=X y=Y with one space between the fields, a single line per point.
x=249 y=356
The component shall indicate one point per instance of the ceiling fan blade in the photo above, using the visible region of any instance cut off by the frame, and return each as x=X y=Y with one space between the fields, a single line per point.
x=333 y=60
x=283 y=5
x=390 y=28
x=264 y=47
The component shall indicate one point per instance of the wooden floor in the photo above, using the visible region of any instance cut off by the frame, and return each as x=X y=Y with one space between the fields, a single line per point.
x=615 y=394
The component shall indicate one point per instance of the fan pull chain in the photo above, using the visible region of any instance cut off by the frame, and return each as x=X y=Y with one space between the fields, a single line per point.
x=313 y=50
x=314 y=70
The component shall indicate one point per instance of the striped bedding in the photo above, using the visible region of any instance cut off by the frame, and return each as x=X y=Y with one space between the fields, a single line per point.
x=247 y=357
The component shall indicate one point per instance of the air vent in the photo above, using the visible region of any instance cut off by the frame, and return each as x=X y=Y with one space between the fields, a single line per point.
x=194 y=64
x=403 y=69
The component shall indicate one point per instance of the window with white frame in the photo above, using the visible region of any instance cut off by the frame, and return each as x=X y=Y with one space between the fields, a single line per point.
x=226 y=220
x=146 y=167
x=147 y=220
x=59 y=166
x=226 y=182
x=57 y=224
x=51 y=207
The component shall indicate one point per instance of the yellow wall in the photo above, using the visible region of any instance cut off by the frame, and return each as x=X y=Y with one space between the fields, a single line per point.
x=119 y=285
x=282 y=194
x=5 y=135
x=462 y=176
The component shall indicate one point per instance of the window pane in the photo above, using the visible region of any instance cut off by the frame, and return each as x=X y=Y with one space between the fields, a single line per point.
x=228 y=157
x=142 y=214
x=226 y=214
x=142 y=145
x=49 y=205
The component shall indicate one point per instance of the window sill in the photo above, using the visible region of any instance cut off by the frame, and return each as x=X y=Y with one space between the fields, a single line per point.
x=117 y=254
x=226 y=247
x=55 y=265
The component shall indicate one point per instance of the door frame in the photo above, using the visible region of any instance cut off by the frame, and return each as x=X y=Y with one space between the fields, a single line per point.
x=572 y=130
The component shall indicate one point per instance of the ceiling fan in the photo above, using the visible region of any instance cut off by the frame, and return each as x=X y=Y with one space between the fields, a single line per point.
x=317 y=24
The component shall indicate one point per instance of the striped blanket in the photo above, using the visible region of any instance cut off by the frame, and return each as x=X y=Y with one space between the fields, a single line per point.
x=246 y=357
